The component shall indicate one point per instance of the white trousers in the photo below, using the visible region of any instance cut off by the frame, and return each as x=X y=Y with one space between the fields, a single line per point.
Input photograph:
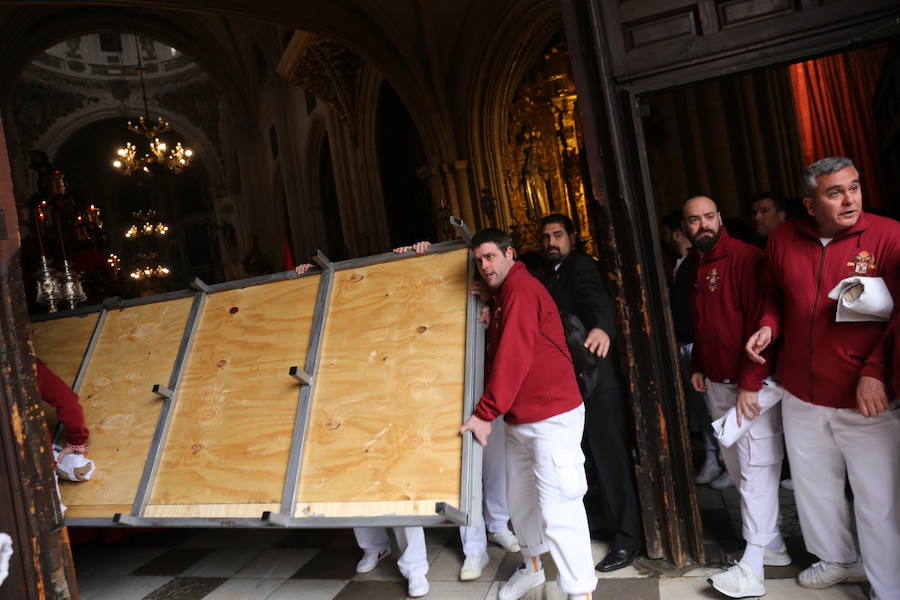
x=493 y=478
x=754 y=463
x=413 y=561
x=825 y=445
x=545 y=486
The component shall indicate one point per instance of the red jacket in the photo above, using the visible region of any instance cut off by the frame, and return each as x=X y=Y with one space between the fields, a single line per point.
x=60 y=396
x=885 y=357
x=821 y=361
x=529 y=371
x=727 y=307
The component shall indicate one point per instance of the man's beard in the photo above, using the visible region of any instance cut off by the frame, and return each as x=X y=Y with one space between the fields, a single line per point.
x=555 y=258
x=705 y=243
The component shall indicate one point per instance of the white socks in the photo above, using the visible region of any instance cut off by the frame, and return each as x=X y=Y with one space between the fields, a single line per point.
x=753 y=558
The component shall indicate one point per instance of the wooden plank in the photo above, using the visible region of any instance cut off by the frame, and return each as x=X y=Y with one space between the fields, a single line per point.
x=136 y=349
x=97 y=511
x=417 y=508
x=231 y=434
x=61 y=343
x=388 y=396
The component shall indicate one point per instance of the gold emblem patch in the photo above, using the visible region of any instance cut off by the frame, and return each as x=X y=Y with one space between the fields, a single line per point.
x=712 y=280
x=862 y=262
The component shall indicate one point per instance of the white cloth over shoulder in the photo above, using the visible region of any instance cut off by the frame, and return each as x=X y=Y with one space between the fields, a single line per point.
x=862 y=299
x=73 y=466
x=6 y=551
x=726 y=428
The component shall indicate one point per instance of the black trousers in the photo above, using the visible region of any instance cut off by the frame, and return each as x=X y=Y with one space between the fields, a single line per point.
x=607 y=438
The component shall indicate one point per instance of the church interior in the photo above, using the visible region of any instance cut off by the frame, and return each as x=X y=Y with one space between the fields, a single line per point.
x=151 y=143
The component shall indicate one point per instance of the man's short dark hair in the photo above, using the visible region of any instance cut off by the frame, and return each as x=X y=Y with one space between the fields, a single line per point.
x=777 y=201
x=561 y=219
x=491 y=234
x=674 y=220
x=826 y=166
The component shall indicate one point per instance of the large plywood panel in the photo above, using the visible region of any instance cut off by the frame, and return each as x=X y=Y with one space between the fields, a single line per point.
x=228 y=445
x=136 y=349
x=61 y=344
x=388 y=396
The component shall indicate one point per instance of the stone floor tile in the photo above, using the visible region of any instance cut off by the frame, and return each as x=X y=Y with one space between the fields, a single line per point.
x=789 y=589
x=244 y=589
x=259 y=539
x=458 y=590
x=186 y=588
x=111 y=560
x=640 y=588
x=173 y=561
x=308 y=589
x=332 y=564
x=370 y=590
x=448 y=563
x=277 y=563
x=224 y=562
x=688 y=587
x=128 y=587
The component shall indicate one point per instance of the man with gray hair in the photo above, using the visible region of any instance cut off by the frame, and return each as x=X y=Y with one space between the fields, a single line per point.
x=838 y=421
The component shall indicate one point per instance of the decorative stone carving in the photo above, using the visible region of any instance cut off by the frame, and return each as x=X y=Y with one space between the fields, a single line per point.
x=35 y=107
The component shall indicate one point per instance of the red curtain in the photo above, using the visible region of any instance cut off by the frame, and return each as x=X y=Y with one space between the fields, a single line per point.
x=834 y=109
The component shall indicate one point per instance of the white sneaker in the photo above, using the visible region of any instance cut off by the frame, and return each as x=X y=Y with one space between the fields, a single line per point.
x=722 y=481
x=787 y=484
x=776 y=558
x=711 y=469
x=506 y=539
x=825 y=574
x=738 y=581
x=418 y=587
x=520 y=582
x=473 y=566
x=370 y=559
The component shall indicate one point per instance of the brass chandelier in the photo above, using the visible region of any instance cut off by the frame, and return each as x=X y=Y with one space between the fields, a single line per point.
x=128 y=160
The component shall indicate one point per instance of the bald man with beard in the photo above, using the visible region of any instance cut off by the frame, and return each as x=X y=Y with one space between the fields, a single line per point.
x=727 y=307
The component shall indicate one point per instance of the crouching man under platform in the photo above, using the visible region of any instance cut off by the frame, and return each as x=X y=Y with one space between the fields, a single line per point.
x=530 y=381
x=727 y=307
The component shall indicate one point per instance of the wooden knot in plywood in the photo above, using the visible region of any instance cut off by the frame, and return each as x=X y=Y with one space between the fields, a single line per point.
x=233 y=309
x=404 y=497
x=414 y=440
x=221 y=363
x=196 y=448
x=421 y=329
x=332 y=424
x=357 y=277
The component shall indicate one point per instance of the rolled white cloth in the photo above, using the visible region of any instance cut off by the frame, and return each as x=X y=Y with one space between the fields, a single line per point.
x=6 y=551
x=726 y=428
x=862 y=299
x=73 y=466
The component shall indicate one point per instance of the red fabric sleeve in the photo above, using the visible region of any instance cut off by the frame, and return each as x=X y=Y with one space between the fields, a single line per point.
x=751 y=374
x=878 y=365
x=60 y=396
x=772 y=295
x=519 y=328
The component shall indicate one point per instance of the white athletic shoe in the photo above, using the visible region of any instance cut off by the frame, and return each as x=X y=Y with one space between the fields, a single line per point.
x=776 y=558
x=418 y=587
x=738 y=581
x=825 y=574
x=787 y=484
x=520 y=582
x=722 y=481
x=506 y=539
x=711 y=469
x=370 y=559
x=473 y=566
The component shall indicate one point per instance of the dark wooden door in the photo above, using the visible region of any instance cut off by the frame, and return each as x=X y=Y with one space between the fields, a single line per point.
x=621 y=49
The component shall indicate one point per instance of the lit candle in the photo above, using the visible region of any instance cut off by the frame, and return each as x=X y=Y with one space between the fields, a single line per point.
x=38 y=226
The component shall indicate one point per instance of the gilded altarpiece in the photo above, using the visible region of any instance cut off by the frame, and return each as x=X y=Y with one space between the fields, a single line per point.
x=543 y=163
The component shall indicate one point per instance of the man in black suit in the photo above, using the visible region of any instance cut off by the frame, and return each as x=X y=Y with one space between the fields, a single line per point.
x=577 y=287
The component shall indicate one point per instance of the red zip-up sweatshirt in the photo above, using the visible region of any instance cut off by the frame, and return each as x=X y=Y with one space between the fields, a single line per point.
x=885 y=357
x=727 y=302
x=821 y=360
x=60 y=396
x=529 y=373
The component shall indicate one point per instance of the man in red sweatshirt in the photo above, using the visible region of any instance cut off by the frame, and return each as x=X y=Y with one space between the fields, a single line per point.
x=727 y=308
x=838 y=421
x=531 y=383
x=60 y=396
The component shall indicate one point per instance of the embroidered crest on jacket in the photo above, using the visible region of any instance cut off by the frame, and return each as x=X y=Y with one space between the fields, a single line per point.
x=862 y=262
x=712 y=280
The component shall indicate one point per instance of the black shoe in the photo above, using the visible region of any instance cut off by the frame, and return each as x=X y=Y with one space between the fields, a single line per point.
x=618 y=558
